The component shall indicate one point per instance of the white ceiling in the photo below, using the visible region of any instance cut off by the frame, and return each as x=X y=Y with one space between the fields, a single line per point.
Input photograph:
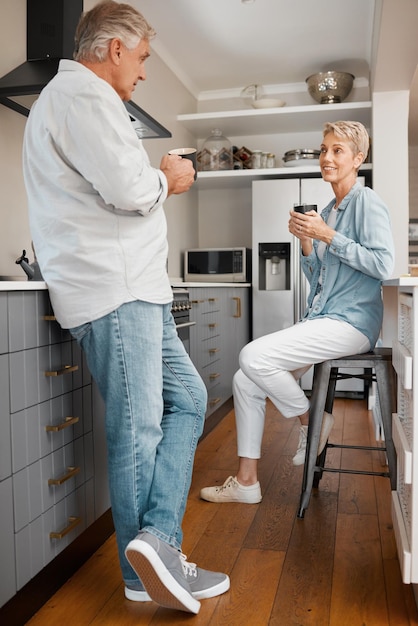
x=227 y=44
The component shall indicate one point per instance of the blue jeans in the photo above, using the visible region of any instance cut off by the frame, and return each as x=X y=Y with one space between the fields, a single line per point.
x=155 y=409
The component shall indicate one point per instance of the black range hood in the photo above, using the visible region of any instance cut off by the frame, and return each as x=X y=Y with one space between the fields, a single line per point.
x=50 y=32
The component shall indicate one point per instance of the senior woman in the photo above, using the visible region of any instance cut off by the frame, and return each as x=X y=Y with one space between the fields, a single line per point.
x=346 y=252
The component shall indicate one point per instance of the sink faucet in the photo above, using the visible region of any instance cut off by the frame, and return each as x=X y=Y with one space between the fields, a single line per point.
x=32 y=270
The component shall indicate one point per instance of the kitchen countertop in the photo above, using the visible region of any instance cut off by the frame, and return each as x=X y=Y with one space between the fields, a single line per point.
x=22 y=285
x=402 y=281
x=32 y=285
x=175 y=283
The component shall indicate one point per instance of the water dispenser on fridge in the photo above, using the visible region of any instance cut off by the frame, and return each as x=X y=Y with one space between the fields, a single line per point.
x=274 y=266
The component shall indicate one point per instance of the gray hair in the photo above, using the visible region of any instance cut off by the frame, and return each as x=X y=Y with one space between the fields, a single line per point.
x=354 y=132
x=106 y=21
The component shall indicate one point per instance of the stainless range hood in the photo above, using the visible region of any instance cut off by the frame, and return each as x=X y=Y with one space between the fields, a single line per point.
x=50 y=37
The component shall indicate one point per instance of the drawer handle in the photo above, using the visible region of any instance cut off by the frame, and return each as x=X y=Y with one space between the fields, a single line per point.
x=67 y=369
x=214 y=375
x=197 y=301
x=68 y=421
x=71 y=471
x=212 y=325
x=49 y=318
x=72 y=523
x=214 y=401
x=213 y=299
x=238 y=309
x=213 y=350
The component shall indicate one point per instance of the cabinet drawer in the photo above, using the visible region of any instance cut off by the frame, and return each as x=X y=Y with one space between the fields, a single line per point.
x=5 y=450
x=210 y=351
x=403 y=451
x=211 y=375
x=210 y=325
x=402 y=543
x=402 y=362
x=4 y=334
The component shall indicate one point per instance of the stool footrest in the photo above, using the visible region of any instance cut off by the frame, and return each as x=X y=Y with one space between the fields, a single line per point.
x=347 y=471
x=341 y=445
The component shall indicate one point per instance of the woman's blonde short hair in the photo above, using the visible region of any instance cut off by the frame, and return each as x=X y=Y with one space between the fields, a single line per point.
x=106 y=21
x=354 y=132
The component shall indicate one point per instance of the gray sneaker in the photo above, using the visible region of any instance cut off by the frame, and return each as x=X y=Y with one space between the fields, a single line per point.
x=168 y=578
x=203 y=584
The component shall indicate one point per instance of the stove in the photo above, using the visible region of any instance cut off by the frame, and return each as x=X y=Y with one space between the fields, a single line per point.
x=181 y=312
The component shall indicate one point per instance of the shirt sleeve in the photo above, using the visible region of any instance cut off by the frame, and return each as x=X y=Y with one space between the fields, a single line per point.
x=366 y=244
x=98 y=140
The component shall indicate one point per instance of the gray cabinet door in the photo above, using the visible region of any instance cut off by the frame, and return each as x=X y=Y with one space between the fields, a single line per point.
x=5 y=449
x=7 y=553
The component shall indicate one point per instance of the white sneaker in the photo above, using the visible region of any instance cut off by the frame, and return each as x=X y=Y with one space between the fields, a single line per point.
x=327 y=424
x=232 y=491
x=299 y=458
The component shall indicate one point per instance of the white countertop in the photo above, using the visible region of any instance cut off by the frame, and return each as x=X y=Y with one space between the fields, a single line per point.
x=22 y=285
x=193 y=284
x=32 y=285
x=402 y=281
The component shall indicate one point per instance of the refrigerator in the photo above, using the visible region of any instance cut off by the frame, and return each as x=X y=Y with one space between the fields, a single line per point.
x=279 y=286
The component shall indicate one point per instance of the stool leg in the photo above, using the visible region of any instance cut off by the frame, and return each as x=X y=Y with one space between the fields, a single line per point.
x=384 y=381
x=329 y=404
x=319 y=395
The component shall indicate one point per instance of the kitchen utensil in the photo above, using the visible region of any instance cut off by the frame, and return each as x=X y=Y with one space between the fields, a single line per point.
x=301 y=156
x=267 y=103
x=330 y=87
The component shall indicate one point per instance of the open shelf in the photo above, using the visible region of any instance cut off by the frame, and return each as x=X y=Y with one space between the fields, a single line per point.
x=278 y=120
x=244 y=178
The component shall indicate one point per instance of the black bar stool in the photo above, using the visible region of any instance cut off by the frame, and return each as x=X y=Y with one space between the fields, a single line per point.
x=377 y=366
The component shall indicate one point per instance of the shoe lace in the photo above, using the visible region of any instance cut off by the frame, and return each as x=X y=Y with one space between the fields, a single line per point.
x=230 y=482
x=189 y=569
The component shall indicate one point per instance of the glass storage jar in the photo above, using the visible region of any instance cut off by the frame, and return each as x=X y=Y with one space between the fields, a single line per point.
x=216 y=153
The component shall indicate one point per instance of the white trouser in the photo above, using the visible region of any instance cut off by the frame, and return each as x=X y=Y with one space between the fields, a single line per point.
x=271 y=367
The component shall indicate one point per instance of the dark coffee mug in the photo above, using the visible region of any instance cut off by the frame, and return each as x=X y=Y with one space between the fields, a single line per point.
x=187 y=153
x=304 y=208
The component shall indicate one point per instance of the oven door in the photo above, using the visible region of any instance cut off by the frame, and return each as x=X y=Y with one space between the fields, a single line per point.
x=183 y=330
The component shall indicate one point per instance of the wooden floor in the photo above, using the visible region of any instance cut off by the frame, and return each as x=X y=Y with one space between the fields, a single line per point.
x=336 y=567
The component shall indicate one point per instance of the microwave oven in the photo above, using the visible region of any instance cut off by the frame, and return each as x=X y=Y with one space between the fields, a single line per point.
x=222 y=265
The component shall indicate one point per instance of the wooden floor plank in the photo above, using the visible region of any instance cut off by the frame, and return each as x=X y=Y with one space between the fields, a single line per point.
x=359 y=595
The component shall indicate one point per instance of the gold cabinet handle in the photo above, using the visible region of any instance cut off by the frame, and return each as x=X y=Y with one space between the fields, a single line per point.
x=72 y=523
x=213 y=350
x=212 y=325
x=67 y=369
x=49 y=318
x=213 y=299
x=68 y=421
x=214 y=376
x=71 y=471
x=197 y=301
x=214 y=401
x=238 y=308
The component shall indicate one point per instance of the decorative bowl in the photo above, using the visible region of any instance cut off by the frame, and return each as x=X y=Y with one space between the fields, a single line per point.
x=330 y=87
x=267 y=103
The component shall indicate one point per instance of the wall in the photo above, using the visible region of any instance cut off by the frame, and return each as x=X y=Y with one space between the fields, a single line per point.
x=162 y=95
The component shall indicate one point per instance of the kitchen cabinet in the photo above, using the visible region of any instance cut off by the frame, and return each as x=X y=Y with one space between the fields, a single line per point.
x=222 y=328
x=47 y=455
x=405 y=429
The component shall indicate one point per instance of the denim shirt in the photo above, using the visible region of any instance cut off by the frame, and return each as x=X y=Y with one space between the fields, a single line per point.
x=359 y=257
